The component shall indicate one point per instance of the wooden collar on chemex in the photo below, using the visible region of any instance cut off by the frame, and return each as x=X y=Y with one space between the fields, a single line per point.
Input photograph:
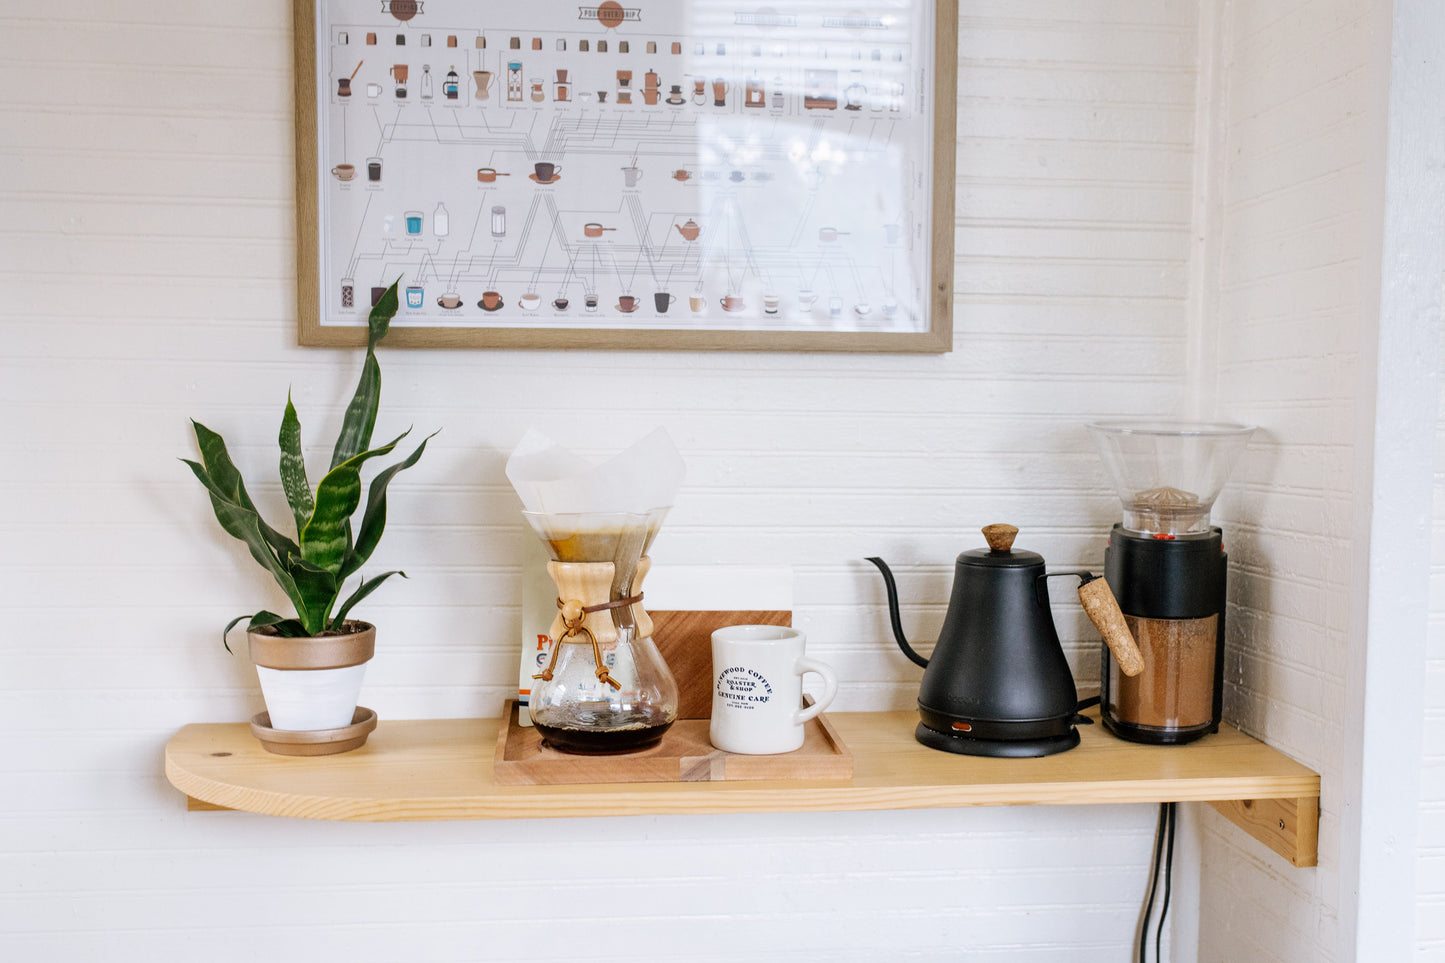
x=574 y=613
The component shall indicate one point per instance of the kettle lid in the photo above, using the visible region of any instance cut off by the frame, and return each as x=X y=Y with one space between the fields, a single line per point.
x=1000 y=552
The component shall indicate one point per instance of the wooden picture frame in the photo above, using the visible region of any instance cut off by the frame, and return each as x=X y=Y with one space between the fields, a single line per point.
x=779 y=178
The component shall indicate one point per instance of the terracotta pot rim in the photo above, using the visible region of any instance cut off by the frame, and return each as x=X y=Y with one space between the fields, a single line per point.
x=318 y=652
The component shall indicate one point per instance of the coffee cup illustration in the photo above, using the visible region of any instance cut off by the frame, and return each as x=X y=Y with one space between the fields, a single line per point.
x=560 y=304
x=631 y=175
x=344 y=172
x=450 y=301
x=662 y=301
x=491 y=300
x=627 y=304
x=414 y=295
x=373 y=169
x=697 y=302
x=770 y=304
x=681 y=175
x=591 y=302
x=546 y=171
x=732 y=302
x=530 y=302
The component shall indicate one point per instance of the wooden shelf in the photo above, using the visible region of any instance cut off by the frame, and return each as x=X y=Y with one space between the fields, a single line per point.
x=442 y=769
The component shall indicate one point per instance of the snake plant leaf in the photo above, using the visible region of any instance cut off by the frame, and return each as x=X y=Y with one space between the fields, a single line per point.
x=243 y=523
x=222 y=471
x=362 y=591
x=360 y=416
x=325 y=539
x=378 y=323
x=373 y=522
x=288 y=628
x=231 y=625
x=293 y=467
x=318 y=588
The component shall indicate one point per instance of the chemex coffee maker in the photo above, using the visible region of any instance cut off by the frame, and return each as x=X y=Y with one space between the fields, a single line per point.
x=998 y=683
x=1167 y=567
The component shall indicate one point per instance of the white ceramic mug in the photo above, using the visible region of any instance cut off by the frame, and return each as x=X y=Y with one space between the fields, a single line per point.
x=757 y=689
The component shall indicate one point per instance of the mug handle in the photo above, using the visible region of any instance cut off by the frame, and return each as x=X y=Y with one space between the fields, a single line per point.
x=830 y=689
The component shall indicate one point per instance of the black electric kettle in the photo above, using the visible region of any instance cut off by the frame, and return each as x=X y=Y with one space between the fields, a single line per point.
x=998 y=683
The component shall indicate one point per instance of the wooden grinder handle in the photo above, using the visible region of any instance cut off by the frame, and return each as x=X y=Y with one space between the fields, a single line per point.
x=1103 y=610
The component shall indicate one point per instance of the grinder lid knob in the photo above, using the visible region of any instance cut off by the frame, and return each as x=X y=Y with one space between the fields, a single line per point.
x=1000 y=537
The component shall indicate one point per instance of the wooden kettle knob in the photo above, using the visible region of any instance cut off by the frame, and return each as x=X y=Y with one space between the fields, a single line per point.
x=1000 y=537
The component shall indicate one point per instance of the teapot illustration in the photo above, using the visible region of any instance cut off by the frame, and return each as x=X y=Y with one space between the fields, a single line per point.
x=690 y=230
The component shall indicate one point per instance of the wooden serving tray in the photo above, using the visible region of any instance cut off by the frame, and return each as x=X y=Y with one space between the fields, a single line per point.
x=684 y=755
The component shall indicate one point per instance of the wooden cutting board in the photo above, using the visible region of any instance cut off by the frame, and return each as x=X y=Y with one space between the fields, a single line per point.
x=685 y=641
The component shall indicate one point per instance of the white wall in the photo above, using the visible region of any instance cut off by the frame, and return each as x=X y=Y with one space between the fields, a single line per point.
x=1326 y=263
x=1430 y=870
x=147 y=250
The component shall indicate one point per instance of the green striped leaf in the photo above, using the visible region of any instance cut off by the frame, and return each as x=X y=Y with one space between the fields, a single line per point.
x=360 y=418
x=362 y=591
x=222 y=472
x=373 y=523
x=243 y=523
x=326 y=538
x=293 y=467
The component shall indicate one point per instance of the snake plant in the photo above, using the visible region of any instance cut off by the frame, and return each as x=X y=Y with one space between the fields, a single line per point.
x=313 y=567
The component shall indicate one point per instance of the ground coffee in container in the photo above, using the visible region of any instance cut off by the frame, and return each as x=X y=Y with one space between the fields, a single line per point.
x=1176 y=688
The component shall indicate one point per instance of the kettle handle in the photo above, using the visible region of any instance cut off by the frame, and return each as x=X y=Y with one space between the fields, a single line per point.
x=1103 y=610
x=893 y=613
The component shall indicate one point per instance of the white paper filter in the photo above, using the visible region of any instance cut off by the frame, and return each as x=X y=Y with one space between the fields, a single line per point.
x=550 y=479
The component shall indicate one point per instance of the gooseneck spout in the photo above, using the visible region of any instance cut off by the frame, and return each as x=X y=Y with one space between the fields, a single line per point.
x=893 y=613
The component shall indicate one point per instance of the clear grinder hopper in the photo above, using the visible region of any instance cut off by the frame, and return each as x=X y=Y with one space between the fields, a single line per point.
x=1167 y=567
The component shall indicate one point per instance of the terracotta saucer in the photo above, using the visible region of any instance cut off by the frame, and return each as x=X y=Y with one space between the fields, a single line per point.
x=533 y=179
x=314 y=742
x=500 y=305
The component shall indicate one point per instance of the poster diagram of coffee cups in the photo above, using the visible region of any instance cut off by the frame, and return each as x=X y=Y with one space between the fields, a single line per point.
x=545 y=164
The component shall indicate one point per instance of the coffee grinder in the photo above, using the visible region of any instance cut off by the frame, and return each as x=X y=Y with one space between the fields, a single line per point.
x=1167 y=566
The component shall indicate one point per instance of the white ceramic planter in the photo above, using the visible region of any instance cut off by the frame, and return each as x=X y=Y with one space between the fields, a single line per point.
x=301 y=699
x=313 y=683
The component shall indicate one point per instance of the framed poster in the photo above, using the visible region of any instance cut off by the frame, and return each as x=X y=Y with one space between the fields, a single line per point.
x=689 y=174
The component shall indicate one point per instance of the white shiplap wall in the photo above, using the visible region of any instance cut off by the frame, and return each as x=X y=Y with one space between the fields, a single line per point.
x=147 y=250
x=1302 y=227
x=1430 y=870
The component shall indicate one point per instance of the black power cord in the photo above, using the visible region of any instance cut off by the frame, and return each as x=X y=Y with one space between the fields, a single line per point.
x=1163 y=852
